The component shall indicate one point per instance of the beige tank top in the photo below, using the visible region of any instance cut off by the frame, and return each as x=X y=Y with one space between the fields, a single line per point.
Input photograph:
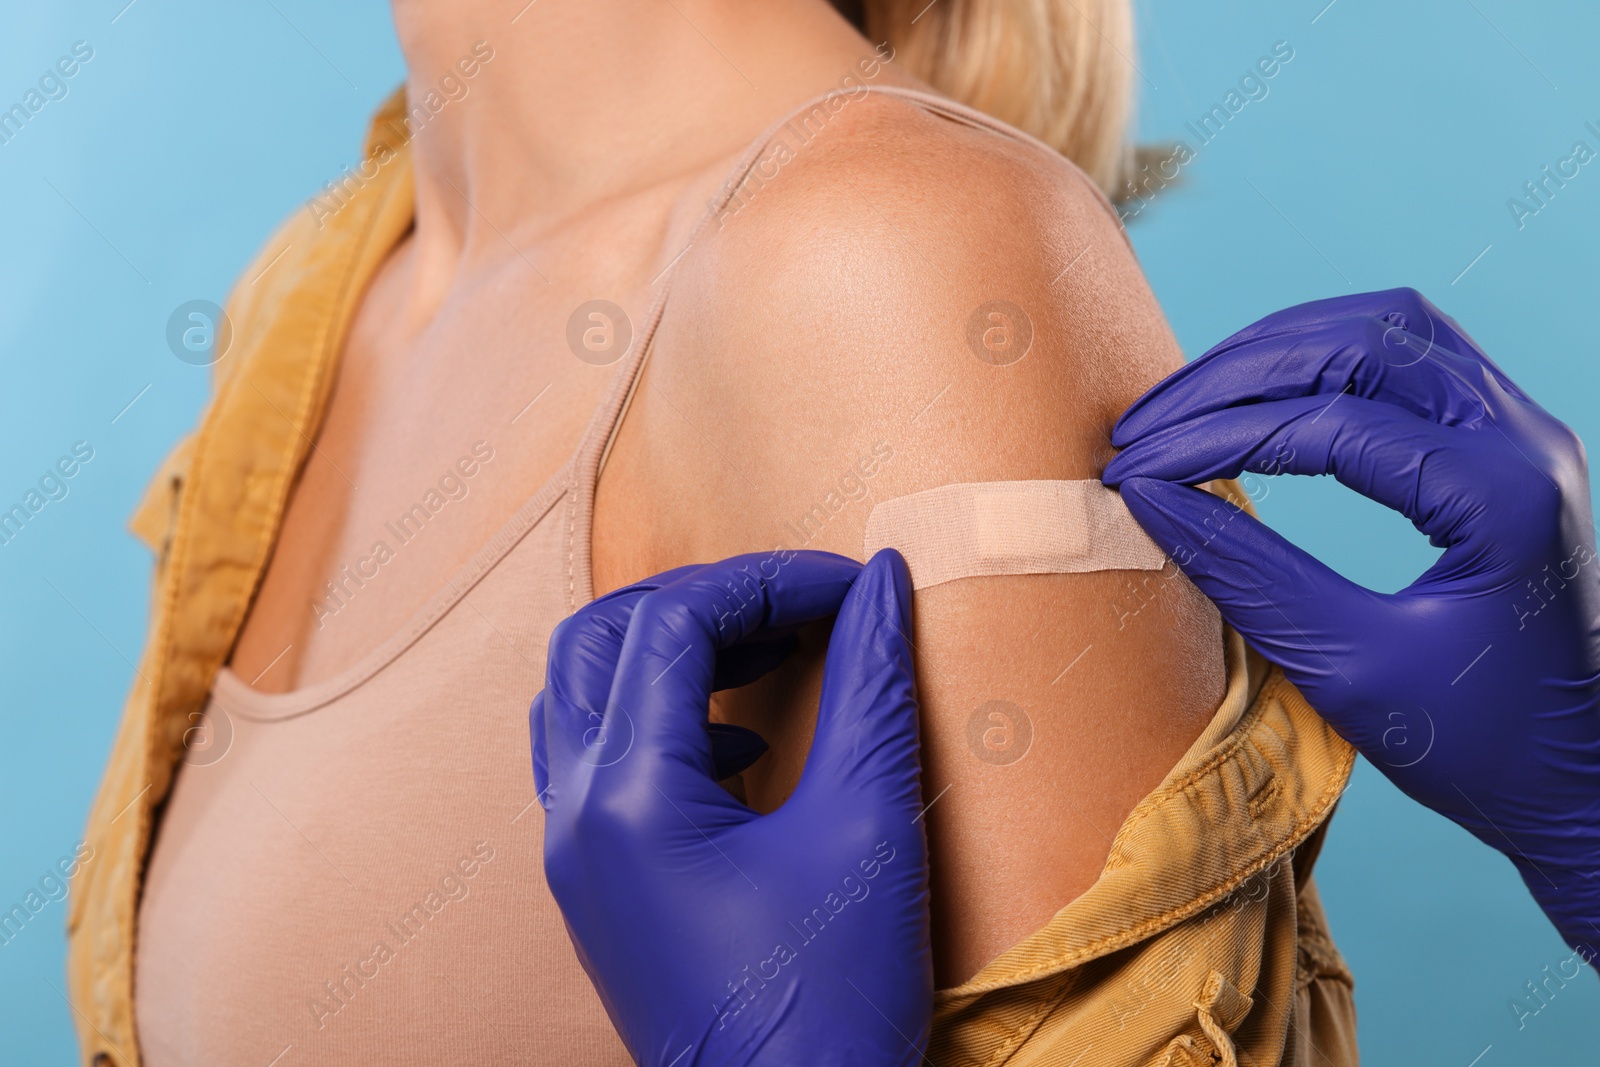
x=358 y=877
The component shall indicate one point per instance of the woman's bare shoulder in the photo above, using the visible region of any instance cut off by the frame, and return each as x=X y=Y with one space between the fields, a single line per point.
x=898 y=303
x=893 y=274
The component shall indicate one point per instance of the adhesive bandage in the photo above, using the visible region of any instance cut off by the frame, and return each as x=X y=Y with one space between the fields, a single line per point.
x=972 y=529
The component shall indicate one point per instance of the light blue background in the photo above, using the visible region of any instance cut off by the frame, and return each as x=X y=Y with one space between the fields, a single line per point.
x=1384 y=154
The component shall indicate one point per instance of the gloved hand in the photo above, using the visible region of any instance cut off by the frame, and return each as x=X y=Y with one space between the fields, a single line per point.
x=715 y=935
x=1476 y=689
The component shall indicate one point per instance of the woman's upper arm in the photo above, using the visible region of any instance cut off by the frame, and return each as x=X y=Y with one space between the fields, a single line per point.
x=833 y=344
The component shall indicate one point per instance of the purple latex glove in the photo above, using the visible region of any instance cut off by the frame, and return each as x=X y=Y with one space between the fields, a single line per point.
x=714 y=935
x=1476 y=689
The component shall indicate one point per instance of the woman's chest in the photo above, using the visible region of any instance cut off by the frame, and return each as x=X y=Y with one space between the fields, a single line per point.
x=430 y=442
x=361 y=869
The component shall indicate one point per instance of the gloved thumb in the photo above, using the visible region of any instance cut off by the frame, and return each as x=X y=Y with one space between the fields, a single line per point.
x=865 y=751
x=733 y=749
x=1293 y=609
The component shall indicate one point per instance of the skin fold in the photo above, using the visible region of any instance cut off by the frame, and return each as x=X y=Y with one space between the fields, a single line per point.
x=818 y=331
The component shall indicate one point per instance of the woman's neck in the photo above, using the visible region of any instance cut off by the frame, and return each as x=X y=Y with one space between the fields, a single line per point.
x=572 y=103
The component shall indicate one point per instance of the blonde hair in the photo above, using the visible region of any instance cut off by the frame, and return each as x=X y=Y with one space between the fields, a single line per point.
x=1061 y=70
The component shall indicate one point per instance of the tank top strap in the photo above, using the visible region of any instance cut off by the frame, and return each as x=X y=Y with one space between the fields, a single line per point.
x=942 y=106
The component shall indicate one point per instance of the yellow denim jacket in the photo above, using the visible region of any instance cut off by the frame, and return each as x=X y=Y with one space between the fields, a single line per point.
x=1202 y=942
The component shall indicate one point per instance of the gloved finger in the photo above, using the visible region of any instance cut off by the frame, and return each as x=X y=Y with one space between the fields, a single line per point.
x=1429 y=473
x=1365 y=357
x=1402 y=307
x=733 y=749
x=866 y=744
x=743 y=664
x=541 y=752
x=582 y=654
x=582 y=665
x=661 y=692
x=1290 y=607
